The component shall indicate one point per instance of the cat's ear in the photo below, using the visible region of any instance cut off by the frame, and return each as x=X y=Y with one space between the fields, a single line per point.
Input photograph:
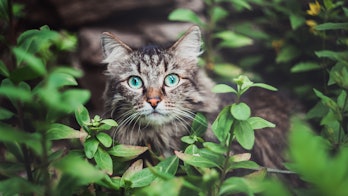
x=113 y=48
x=189 y=45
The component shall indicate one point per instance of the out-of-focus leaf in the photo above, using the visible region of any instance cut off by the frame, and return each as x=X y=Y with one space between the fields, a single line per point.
x=296 y=21
x=10 y=134
x=19 y=186
x=287 y=53
x=5 y=114
x=15 y=93
x=234 y=185
x=227 y=70
x=305 y=66
x=185 y=15
x=231 y=39
x=32 y=61
x=57 y=80
x=218 y=13
x=331 y=26
x=3 y=69
x=83 y=172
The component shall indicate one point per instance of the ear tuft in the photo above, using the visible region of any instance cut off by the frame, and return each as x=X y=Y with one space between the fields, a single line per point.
x=113 y=48
x=189 y=45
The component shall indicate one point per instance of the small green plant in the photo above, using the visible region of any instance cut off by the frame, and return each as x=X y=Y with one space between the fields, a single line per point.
x=207 y=164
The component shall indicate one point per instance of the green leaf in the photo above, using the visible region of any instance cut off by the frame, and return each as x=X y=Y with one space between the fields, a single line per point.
x=57 y=80
x=15 y=93
x=259 y=123
x=239 y=3
x=296 y=21
x=188 y=139
x=5 y=114
x=127 y=151
x=82 y=116
x=326 y=100
x=109 y=122
x=218 y=13
x=35 y=40
x=240 y=111
x=264 y=86
x=142 y=178
x=105 y=139
x=168 y=166
x=333 y=55
x=331 y=26
x=243 y=165
x=10 y=134
x=32 y=61
x=3 y=70
x=244 y=134
x=83 y=172
x=287 y=53
x=231 y=39
x=73 y=98
x=19 y=186
x=91 y=146
x=214 y=147
x=223 y=88
x=235 y=185
x=227 y=70
x=185 y=15
x=305 y=66
x=58 y=131
x=103 y=160
x=222 y=125
x=199 y=124
x=196 y=160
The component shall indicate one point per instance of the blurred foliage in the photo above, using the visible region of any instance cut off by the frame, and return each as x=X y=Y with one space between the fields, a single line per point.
x=302 y=43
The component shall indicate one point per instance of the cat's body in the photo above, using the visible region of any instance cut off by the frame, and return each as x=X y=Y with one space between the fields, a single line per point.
x=154 y=94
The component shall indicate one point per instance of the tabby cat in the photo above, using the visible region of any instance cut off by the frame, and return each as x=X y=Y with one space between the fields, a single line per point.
x=154 y=93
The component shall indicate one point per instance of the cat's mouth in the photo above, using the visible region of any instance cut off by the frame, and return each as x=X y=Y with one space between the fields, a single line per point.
x=156 y=117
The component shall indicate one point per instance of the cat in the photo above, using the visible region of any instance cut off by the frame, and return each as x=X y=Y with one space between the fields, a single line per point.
x=154 y=94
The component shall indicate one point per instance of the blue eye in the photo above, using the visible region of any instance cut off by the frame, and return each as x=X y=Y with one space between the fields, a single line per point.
x=135 y=82
x=171 y=80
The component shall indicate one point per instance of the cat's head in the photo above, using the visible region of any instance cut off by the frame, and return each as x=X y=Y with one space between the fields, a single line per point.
x=153 y=85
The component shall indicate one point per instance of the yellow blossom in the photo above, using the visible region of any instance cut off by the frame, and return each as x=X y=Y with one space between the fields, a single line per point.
x=277 y=45
x=311 y=24
x=314 y=9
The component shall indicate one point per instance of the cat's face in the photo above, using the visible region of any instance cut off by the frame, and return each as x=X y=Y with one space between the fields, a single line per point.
x=154 y=86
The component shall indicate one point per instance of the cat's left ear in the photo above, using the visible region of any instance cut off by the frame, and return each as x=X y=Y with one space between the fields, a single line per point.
x=113 y=48
x=189 y=45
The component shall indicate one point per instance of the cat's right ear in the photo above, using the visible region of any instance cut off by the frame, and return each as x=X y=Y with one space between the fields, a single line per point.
x=113 y=48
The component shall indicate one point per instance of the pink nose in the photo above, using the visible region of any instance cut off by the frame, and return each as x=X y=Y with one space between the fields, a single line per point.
x=153 y=101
